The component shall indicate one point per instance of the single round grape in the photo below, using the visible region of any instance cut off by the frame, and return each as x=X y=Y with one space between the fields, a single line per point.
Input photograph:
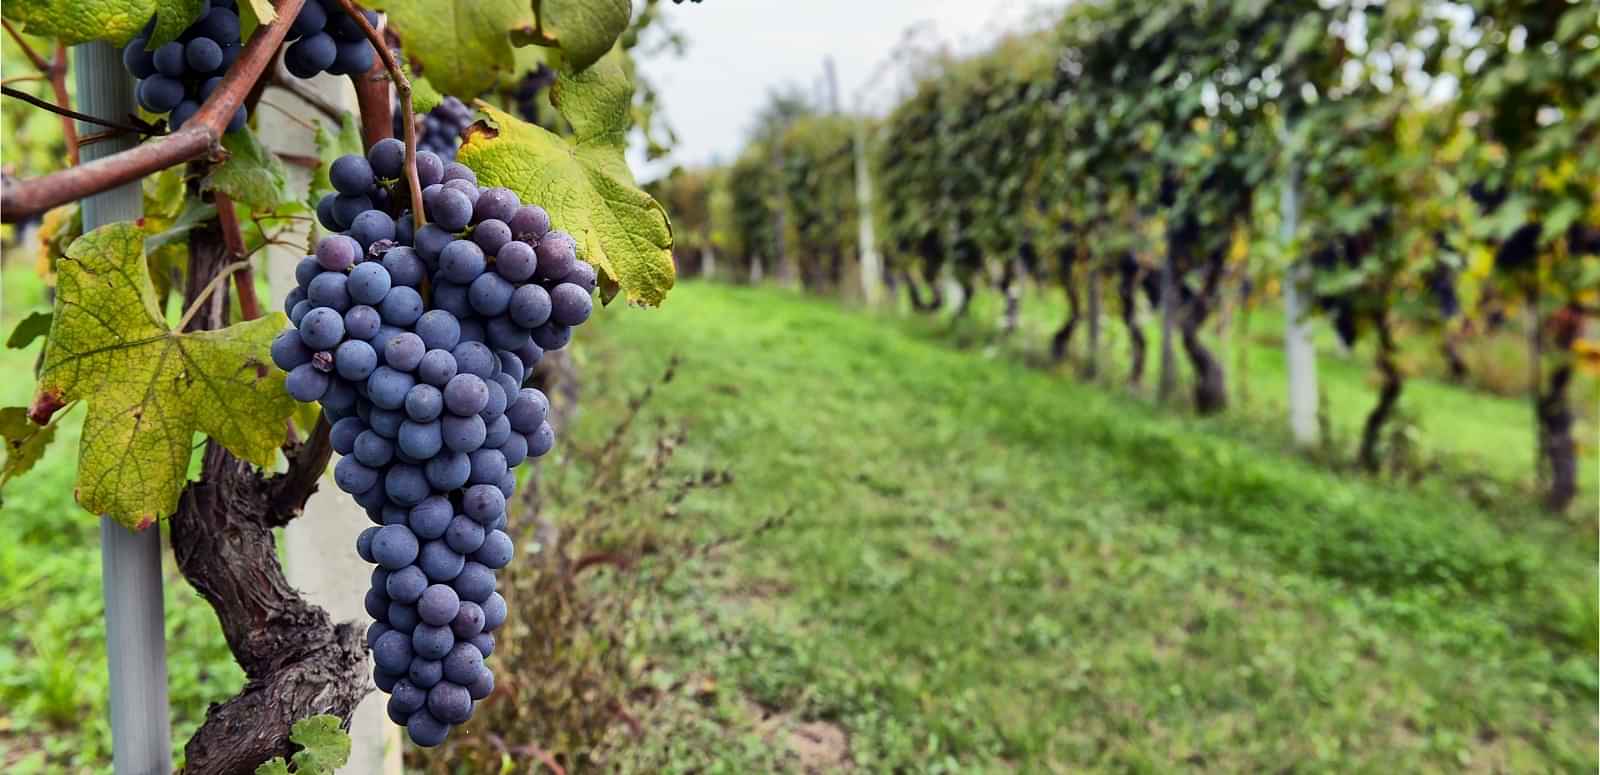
x=299 y=311
x=392 y=653
x=496 y=550
x=371 y=227
x=462 y=664
x=483 y=502
x=488 y=465
x=387 y=158
x=557 y=255
x=515 y=447
x=482 y=686
x=404 y=351
x=431 y=641
x=530 y=306
x=351 y=174
x=490 y=294
x=202 y=55
x=430 y=241
x=347 y=206
x=474 y=582
x=310 y=21
x=407 y=696
x=468 y=621
x=529 y=223
x=494 y=612
x=440 y=562
x=288 y=351
x=338 y=252
x=342 y=436
x=570 y=305
x=306 y=384
x=541 y=441
x=406 y=484
x=463 y=434
x=326 y=215
x=387 y=387
x=582 y=275
x=484 y=642
x=352 y=57
x=404 y=265
x=430 y=518
x=310 y=55
x=394 y=546
x=466 y=394
x=219 y=24
x=362 y=322
x=468 y=190
x=491 y=235
x=373 y=450
x=355 y=359
x=436 y=368
x=510 y=385
x=552 y=336
x=450 y=703
x=475 y=358
x=424 y=403
x=364 y=550
x=458 y=171
x=420 y=440
x=330 y=289
x=402 y=617
x=511 y=364
x=406 y=584
x=401 y=306
x=438 y=605
x=495 y=407
x=528 y=410
x=425 y=673
x=136 y=60
x=377 y=629
x=438 y=329
x=169 y=60
x=425 y=730
x=464 y=535
x=461 y=262
x=448 y=471
x=383 y=680
x=306 y=270
x=181 y=114
x=498 y=204
x=515 y=261
x=386 y=422
x=451 y=209
x=430 y=168
x=159 y=93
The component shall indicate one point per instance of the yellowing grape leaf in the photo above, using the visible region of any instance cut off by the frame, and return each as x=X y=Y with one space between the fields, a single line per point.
x=25 y=441
x=462 y=46
x=583 y=181
x=148 y=388
x=80 y=21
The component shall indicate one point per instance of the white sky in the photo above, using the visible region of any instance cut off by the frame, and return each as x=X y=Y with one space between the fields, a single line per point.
x=740 y=49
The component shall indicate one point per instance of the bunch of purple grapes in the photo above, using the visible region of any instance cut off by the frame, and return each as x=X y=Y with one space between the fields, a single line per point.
x=417 y=345
x=178 y=76
x=439 y=130
x=326 y=39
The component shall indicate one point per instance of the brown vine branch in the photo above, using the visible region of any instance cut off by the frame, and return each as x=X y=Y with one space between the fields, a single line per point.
x=69 y=113
x=402 y=85
x=201 y=136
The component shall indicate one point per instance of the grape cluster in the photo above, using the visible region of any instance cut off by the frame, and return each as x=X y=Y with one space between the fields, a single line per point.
x=417 y=345
x=178 y=76
x=439 y=130
x=326 y=39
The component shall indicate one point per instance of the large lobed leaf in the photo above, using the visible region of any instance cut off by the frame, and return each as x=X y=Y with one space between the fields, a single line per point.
x=461 y=45
x=584 y=29
x=149 y=389
x=117 y=21
x=583 y=181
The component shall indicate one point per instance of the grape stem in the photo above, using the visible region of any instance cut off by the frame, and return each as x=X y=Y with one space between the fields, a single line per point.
x=402 y=86
x=211 y=287
x=244 y=278
x=69 y=113
x=200 y=137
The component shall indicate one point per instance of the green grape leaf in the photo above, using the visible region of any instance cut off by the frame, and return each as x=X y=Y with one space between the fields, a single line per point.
x=331 y=146
x=150 y=389
x=253 y=14
x=117 y=21
x=274 y=766
x=25 y=441
x=35 y=325
x=424 y=97
x=583 y=181
x=461 y=45
x=252 y=175
x=583 y=29
x=324 y=745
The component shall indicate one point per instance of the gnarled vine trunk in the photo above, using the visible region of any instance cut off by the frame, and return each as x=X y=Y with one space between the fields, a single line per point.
x=1388 y=395
x=1210 y=383
x=1062 y=340
x=1011 y=288
x=1555 y=418
x=297 y=662
x=1128 y=295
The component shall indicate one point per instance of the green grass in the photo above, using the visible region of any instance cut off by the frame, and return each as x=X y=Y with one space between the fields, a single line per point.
x=985 y=566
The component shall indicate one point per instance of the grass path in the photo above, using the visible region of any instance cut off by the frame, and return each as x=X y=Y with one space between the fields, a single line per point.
x=989 y=566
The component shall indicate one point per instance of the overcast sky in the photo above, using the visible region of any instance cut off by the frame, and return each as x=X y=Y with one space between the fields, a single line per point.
x=740 y=49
